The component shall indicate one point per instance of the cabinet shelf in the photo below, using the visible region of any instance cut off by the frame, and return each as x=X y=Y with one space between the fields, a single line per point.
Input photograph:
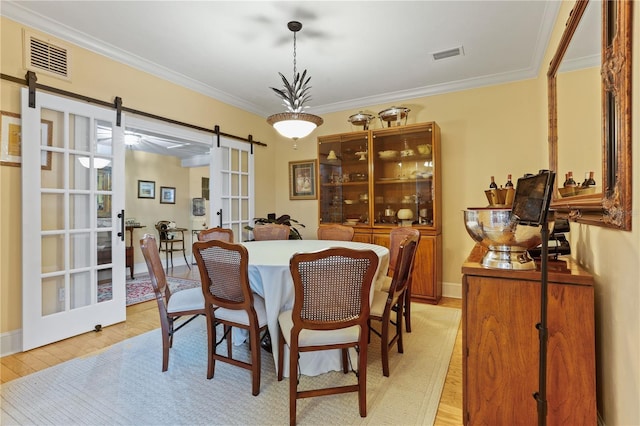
x=417 y=157
x=400 y=180
x=339 y=184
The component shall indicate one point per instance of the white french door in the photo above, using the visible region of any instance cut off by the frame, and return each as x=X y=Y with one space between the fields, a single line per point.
x=231 y=186
x=73 y=266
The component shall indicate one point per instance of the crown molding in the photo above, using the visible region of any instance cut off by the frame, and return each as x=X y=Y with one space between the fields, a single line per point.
x=18 y=13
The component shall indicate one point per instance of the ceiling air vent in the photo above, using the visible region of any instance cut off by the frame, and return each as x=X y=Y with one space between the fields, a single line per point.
x=42 y=55
x=457 y=51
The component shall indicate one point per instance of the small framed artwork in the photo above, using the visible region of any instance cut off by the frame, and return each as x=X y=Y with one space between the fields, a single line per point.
x=302 y=180
x=167 y=195
x=205 y=188
x=146 y=189
x=11 y=140
x=197 y=207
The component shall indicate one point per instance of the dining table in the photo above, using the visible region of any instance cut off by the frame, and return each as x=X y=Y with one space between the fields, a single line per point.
x=270 y=278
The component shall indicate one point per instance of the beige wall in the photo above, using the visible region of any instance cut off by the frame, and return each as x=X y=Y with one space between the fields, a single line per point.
x=487 y=131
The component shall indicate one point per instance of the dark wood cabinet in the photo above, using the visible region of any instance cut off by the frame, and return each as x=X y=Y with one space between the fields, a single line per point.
x=501 y=346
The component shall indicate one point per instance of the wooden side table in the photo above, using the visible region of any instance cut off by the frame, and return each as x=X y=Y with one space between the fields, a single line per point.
x=129 y=249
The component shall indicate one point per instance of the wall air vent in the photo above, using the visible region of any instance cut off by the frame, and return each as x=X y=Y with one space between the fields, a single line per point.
x=47 y=56
x=449 y=53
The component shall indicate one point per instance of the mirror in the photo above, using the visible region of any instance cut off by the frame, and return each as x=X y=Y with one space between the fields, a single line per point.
x=580 y=93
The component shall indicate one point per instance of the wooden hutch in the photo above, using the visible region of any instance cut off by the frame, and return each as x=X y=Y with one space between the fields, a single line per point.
x=370 y=179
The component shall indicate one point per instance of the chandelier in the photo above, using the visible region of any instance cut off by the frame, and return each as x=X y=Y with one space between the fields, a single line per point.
x=294 y=123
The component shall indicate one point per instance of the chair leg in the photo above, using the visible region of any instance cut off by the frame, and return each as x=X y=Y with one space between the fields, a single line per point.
x=293 y=382
x=399 y=317
x=170 y=331
x=184 y=254
x=211 y=346
x=384 y=344
x=228 y=332
x=345 y=360
x=407 y=310
x=362 y=377
x=165 y=350
x=254 y=338
x=280 y=354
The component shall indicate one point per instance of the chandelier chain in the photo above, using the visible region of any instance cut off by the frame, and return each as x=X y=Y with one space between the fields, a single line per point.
x=294 y=55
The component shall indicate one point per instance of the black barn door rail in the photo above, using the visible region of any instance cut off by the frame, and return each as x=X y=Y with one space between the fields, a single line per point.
x=31 y=82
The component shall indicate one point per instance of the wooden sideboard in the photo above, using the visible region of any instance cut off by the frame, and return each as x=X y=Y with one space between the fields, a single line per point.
x=500 y=309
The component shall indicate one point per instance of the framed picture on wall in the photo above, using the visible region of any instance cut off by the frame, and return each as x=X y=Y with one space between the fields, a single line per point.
x=167 y=195
x=11 y=140
x=205 y=188
x=198 y=207
x=302 y=180
x=146 y=189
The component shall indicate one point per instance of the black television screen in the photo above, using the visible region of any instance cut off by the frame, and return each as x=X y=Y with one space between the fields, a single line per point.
x=532 y=198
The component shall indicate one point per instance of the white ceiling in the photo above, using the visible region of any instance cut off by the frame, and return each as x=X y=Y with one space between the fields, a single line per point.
x=357 y=53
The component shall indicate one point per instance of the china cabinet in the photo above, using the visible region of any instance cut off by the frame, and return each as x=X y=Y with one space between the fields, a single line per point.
x=501 y=347
x=375 y=180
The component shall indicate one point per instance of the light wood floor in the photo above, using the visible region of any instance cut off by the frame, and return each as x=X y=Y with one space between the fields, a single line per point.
x=143 y=317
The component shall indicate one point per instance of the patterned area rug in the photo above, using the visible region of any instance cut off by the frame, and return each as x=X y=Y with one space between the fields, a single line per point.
x=118 y=386
x=140 y=290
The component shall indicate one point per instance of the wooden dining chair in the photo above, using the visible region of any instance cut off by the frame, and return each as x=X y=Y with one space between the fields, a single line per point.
x=170 y=241
x=330 y=311
x=386 y=302
x=271 y=231
x=229 y=300
x=335 y=232
x=171 y=305
x=218 y=233
x=396 y=237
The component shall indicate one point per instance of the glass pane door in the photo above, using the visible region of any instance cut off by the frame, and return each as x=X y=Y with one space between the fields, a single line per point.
x=73 y=255
x=231 y=186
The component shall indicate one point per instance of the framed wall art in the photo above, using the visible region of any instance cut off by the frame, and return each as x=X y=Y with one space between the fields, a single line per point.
x=167 y=195
x=11 y=141
x=146 y=189
x=198 y=207
x=302 y=180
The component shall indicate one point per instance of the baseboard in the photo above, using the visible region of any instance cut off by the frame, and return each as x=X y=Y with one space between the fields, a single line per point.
x=453 y=290
x=11 y=342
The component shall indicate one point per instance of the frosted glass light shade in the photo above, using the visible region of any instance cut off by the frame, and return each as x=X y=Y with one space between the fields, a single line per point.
x=294 y=125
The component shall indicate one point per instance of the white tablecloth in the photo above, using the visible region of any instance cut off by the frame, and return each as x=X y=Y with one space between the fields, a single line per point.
x=270 y=277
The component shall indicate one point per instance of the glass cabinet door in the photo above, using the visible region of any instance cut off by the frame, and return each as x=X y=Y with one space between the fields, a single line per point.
x=344 y=178
x=403 y=170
